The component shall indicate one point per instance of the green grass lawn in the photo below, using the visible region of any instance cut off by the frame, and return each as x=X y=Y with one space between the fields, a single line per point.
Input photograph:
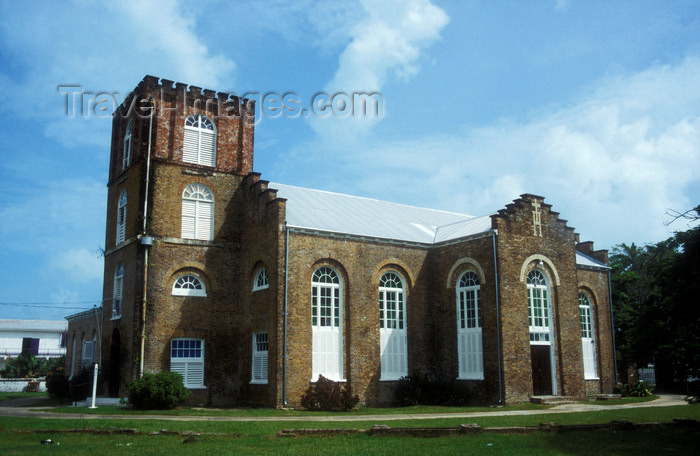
x=8 y=396
x=270 y=412
x=585 y=443
x=22 y=436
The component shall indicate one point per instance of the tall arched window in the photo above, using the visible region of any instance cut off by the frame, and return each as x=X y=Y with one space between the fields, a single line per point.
x=121 y=217
x=392 y=327
x=199 y=145
x=470 y=354
x=587 y=337
x=197 y=212
x=126 y=154
x=538 y=307
x=327 y=324
x=117 y=294
x=541 y=338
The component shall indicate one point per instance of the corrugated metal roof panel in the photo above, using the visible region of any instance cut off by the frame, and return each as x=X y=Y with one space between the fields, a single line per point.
x=353 y=215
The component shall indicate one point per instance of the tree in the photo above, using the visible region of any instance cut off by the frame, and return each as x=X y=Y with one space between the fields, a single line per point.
x=655 y=290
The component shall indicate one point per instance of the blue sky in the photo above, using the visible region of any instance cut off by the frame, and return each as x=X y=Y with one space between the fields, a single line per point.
x=594 y=105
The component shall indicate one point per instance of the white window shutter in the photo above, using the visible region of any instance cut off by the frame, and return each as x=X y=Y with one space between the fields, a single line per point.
x=190 y=146
x=207 y=149
x=189 y=215
x=204 y=221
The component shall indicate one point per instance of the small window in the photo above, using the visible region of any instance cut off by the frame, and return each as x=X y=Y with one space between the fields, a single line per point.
x=30 y=346
x=117 y=294
x=261 y=281
x=121 y=218
x=260 y=346
x=189 y=285
x=187 y=359
x=199 y=144
x=126 y=156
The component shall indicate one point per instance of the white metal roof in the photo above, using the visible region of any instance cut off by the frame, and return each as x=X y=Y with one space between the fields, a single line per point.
x=353 y=215
x=585 y=260
x=33 y=325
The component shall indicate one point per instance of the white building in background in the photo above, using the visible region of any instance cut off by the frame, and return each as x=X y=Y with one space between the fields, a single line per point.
x=41 y=338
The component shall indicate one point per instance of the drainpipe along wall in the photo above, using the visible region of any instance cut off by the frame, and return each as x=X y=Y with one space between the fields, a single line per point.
x=147 y=248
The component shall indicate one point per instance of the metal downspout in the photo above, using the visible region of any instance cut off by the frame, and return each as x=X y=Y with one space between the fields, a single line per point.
x=498 y=320
x=612 y=322
x=148 y=248
x=286 y=282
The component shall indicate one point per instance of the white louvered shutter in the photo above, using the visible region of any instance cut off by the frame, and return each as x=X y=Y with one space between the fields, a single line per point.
x=189 y=216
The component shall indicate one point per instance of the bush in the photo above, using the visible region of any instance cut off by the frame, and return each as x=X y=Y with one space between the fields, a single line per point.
x=80 y=385
x=163 y=390
x=57 y=384
x=328 y=395
x=418 y=389
x=639 y=389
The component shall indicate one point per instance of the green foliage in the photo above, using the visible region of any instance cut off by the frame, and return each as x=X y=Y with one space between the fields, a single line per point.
x=28 y=366
x=328 y=395
x=655 y=290
x=57 y=383
x=418 y=389
x=639 y=389
x=24 y=366
x=80 y=385
x=163 y=390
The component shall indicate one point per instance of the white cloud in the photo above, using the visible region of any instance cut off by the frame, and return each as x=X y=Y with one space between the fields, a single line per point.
x=388 y=41
x=100 y=47
x=612 y=163
x=79 y=265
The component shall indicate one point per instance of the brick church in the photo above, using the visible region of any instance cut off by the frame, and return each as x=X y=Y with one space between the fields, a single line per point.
x=252 y=289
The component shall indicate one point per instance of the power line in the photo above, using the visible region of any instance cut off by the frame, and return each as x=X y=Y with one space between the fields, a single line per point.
x=49 y=305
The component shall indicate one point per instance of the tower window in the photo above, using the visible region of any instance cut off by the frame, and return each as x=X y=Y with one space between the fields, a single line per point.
x=121 y=217
x=126 y=156
x=199 y=145
x=197 y=212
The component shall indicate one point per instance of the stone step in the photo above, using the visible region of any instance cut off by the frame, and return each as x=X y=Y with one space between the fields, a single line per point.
x=553 y=400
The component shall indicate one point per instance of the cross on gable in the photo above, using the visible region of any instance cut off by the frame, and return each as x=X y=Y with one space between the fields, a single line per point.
x=536 y=219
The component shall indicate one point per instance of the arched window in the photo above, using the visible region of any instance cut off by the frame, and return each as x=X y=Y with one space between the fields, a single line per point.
x=392 y=327
x=470 y=354
x=261 y=281
x=587 y=337
x=189 y=285
x=538 y=307
x=542 y=353
x=187 y=359
x=117 y=294
x=126 y=155
x=327 y=324
x=121 y=217
x=197 y=212
x=199 y=145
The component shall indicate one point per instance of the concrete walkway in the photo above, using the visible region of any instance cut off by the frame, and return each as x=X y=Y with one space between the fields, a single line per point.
x=23 y=409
